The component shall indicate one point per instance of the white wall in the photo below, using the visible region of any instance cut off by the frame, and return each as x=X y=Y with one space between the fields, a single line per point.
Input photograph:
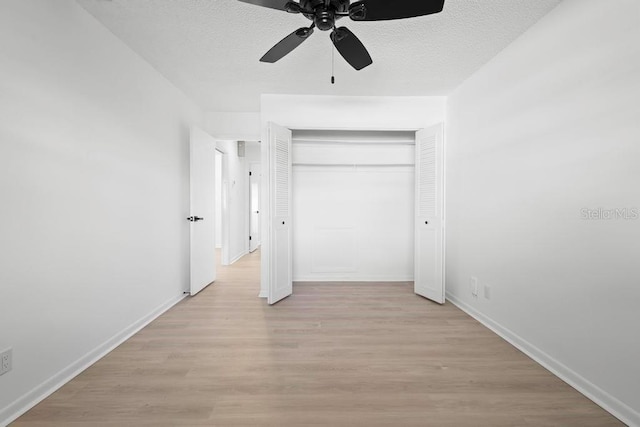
x=94 y=183
x=353 y=223
x=242 y=126
x=352 y=112
x=252 y=152
x=549 y=127
x=335 y=112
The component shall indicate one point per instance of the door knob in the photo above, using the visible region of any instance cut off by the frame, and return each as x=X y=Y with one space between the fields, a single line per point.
x=194 y=219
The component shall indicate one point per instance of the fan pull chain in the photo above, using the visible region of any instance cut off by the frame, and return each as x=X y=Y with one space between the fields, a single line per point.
x=333 y=55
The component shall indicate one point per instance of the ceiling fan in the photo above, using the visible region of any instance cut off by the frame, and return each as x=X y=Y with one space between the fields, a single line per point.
x=323 y=15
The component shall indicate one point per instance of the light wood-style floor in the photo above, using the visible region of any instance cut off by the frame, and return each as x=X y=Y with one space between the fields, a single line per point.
x=330 y=355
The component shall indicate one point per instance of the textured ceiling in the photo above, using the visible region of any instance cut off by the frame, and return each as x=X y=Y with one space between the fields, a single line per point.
x=210 y=48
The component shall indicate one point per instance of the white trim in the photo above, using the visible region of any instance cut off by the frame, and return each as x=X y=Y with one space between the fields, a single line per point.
x=608 y=402
x=444 y=208
x=225 y=219
x=263 y=294
x=352 y=278
x=356 y=128
x=237 y=258
x=249 y=172
x=30 y=399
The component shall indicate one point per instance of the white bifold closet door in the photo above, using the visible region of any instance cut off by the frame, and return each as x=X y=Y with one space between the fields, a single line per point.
x=429 y=225
x=281 y=271
x=203 y=204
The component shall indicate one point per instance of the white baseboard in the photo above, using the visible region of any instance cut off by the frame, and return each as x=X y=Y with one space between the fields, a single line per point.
x=263 y=293
x=608 y=402
x=42 y=391
x=240 y=255
x=349 y=278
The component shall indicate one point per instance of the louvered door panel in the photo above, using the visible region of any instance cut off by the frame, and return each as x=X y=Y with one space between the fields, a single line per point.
x=282 y=167
x=427 y=185
x=429 y=232
x=280 y=258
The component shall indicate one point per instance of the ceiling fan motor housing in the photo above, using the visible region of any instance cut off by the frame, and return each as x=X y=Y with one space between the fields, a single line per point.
x=324 y=16
x=324 y=19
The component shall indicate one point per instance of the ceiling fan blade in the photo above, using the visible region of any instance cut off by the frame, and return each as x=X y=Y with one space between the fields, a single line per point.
x=382 y=10
x=287 y=44
x=351 y=49
x=273 y=4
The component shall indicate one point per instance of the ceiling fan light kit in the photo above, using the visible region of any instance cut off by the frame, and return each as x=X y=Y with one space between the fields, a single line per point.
x=323 y=15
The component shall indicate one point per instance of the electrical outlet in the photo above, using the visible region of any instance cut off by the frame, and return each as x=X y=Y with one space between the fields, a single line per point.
x=5 y=361
x=473 y=283
x=487 y=292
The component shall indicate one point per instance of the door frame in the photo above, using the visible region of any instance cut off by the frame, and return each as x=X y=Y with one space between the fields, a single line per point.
x=266 y=199
x=250 y=167
x=224 y=208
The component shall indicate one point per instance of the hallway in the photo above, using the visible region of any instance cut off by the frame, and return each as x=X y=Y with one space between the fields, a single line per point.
x=330 y=355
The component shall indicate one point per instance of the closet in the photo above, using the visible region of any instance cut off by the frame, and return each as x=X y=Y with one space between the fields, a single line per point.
x=353 y=205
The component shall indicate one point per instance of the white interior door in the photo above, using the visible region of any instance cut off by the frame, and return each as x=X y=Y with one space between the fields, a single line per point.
x=254 y=208
x=280 y=280
x=429 y=226
x=203 y=240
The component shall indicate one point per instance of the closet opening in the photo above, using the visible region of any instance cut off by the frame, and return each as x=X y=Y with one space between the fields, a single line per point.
x=353 y=206
x=341 y=201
